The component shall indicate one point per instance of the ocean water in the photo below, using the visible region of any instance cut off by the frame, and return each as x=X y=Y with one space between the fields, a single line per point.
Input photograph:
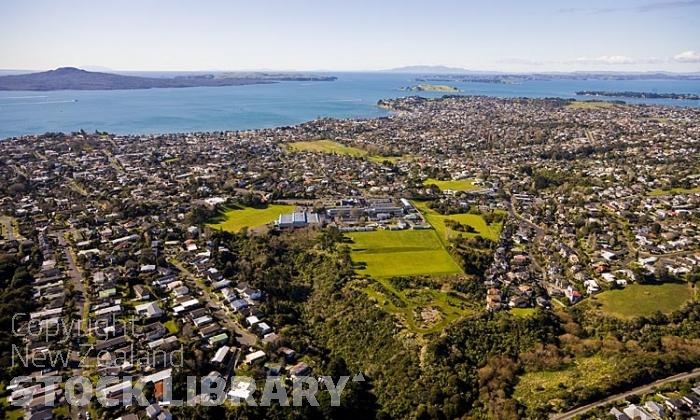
x=353 y=95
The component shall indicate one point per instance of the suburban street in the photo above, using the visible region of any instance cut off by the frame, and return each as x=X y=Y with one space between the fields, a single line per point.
x=80 y=310
x=73 y=272
x=244 y=336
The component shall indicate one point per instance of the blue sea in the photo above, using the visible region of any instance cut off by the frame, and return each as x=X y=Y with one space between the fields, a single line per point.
x=260 y=106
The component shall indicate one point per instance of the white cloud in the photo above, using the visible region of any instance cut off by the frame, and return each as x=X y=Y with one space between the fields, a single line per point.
x=688 y=57
x=614 y=60
x=606 y=59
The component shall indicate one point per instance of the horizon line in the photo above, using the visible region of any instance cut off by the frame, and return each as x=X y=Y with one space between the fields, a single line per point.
x=401 y=69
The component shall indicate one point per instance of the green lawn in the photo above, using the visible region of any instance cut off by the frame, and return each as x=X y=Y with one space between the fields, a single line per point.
x=235 y=219
x=332 y=147
x=401 y=253
x=455 y=184
x=644 y=299
x=437 y=220
x=325 y=146
x=674 y=191
x=523 y=312
x=171 y=326
x=590 y=105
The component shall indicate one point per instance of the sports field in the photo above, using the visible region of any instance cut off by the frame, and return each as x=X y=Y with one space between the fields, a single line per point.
x=325 y=146
x=401 y=253
x=590 y=105
x=333 y=147
x=233 y=220
x=455 y=185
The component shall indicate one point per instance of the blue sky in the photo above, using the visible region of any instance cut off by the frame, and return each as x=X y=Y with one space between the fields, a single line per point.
x=507 y=35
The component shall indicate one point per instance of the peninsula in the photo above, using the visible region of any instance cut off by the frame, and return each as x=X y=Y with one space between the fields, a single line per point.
x=641 y=95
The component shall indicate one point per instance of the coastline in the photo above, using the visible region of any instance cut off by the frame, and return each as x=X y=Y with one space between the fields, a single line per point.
x=259 y=106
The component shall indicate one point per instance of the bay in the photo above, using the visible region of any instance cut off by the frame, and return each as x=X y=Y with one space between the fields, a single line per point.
x=353 y=95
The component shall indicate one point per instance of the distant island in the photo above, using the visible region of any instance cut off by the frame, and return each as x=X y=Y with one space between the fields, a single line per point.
x=457 y=74
x=425 y=87
x=642 y=95
x=71 y=78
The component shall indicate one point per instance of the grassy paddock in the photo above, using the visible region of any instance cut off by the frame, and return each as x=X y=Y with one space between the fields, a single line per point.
x=537 y=389
x=523 y=312
x=333 y=147
x=644 y=299
x=437 y=220
x=235 y=219
x=455 y=185
x=590 y=105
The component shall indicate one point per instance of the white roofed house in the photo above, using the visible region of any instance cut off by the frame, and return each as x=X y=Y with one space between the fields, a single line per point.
x=255 y=356
x=242 y=388
x=202 y=320
x=220 y=354
x=263 y=328
x=591 y=286
x=149 y=310
x=252 y=320
x=148 y=268
x=229 y=295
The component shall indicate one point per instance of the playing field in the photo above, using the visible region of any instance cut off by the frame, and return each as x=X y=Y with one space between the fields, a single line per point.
x=325 y=146
x=644 y=299
x=332 y=147
x=675 y=191
x=437 y=220
x=235 y=219
x=401 y=253
x=455 y=185
x=590 y=105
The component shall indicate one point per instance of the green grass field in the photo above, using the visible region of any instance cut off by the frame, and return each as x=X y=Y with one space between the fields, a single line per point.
x=674 y=191
x=537 y=389
x=235 y=219
x=401 y=253
x=455 y=185
x=332 y=147
x=325 y=146
x=590 y=105
x=437 y=220
x=644 y=299
x=523 y=312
